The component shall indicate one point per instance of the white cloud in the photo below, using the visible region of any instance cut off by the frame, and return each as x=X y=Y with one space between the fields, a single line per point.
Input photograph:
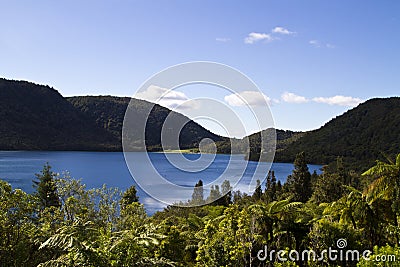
x=252 y=98
x=256 y=36
x=340 y=100
x=222 y=39
x=163 y=96
x=293 y=98
x=315 y=43
x=282 y=30
x=318 y=44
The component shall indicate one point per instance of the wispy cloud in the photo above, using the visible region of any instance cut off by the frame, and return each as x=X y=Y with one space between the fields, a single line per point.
x=339 y=100
x=315 y=43
x=293 y=98
x=257 y=36
x=222 y=39
x=318 y=44
x=281 y=30
x=252 y=98
x=164 y=97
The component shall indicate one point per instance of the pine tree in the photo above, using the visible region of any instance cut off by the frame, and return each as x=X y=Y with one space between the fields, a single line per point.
x=129 y=197
x=214 y=196
x=341 y=171
x=46 y=189
x=198 y=193
x=270 y=193
x=299 y=182
x=226 y=190
x=279 y=190
x=258 y=191
x=273 y=187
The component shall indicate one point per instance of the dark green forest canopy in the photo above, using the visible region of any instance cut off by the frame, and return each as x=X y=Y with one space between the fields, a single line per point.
x=37 y=117
x=108 y=112
x=360 y=136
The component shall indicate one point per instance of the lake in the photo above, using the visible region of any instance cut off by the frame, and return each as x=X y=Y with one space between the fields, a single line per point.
x=97 y=168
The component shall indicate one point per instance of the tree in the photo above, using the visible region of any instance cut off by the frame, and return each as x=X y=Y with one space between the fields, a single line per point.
x=356 y=210
x=299 y=182
x=129 y=197
x=270 y=188
x=258 y=191
x=46 y=188
x=226 y=190
x=77 y=202
x=17 y=228
x=327 y=188
x=386 y=186
x=215 y=194
x=78 y=245
x=198 y=193
x=387 y=182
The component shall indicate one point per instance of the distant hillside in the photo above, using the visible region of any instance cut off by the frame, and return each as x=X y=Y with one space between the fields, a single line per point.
x=361 y=135
x=37 y=117
x=240 y=146
x=108 y=112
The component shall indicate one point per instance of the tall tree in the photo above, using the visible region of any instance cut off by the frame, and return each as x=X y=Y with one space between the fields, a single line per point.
x=46 y=188
x=270 y=193
x=129 y=197
x=387 y=185
x=299 y=182
x=258 y=192
x=214 y=196
x=226 y=190
x=198 y=193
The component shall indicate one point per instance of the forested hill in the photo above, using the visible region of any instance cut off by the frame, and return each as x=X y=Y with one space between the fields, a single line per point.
x=37 y=117
x=108 y=112
x=361 y=135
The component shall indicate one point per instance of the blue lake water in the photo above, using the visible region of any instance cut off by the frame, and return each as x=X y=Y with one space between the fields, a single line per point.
x=98 y=168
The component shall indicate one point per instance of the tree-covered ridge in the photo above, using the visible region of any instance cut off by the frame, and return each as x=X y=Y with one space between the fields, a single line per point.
x=65 y=224
x=109 y=112
x=37 y=117
x=361 y=135
x=251 y=145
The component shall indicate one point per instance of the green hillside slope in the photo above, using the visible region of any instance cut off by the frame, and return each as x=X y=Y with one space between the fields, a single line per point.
x=37 y=117
x=109 y=111
x=361 y=135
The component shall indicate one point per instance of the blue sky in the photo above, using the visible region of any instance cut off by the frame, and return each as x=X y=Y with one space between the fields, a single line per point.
x=301 y=54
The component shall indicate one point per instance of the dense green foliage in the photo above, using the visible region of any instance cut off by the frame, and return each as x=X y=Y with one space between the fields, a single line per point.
x=105 y=227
